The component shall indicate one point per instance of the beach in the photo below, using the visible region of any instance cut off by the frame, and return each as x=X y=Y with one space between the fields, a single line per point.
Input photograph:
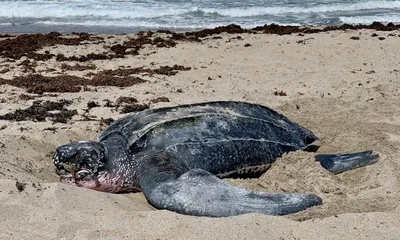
x=342 y=83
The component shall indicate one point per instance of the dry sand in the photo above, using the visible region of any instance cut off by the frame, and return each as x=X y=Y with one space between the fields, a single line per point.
x=346 y=91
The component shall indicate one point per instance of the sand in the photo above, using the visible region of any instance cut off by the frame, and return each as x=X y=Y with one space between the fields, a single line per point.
x=346 y=91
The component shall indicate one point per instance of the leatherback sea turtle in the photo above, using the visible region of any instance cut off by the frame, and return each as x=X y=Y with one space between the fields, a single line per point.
x=173 y=154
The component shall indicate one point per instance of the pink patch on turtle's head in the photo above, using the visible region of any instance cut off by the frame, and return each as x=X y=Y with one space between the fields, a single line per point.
x=102 y=181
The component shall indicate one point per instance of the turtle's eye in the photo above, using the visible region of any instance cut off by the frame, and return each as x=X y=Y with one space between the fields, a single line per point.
x=60 y=170
x=82 y=174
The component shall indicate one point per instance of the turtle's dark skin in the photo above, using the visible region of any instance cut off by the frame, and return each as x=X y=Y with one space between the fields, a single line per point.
x=173 y=154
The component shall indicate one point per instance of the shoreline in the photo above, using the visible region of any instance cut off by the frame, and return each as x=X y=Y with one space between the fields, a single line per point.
x=386 y=26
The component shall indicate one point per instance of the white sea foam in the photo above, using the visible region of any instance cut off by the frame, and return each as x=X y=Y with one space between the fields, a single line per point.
x=88 y=9
x=260 y=11
x=370 y=19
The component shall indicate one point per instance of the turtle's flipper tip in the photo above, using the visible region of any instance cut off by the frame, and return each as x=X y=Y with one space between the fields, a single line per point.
x=282 y=204
x=338 y=163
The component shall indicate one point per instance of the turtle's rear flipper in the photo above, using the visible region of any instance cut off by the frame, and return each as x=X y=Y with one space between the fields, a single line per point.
x=168 y=184
x=338 y=163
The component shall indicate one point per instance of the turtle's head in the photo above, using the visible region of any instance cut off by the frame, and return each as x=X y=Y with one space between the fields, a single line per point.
x=83 y=164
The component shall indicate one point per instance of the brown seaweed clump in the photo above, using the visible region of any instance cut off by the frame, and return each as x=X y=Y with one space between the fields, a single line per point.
x=126 y=100
x=36 y=83
x=88 y=57
x=159 y=99
x=39 y=111
x=129 y=104
x=77 y=67
x=108 y=80
x=135 y=107
x=162 y=70
x=28 y=44
x=282 y=30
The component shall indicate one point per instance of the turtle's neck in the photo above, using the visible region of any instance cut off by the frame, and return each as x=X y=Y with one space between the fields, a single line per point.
x=120 y=161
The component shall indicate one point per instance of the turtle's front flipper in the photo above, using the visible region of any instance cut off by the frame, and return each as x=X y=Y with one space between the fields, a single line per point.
x=338 y=163
x=198 y=192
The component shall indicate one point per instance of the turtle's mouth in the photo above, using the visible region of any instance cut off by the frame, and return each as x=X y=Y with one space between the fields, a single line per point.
x=100 y=180
x=70 y=173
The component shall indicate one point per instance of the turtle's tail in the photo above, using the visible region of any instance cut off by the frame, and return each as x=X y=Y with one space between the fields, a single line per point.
x=338 y=163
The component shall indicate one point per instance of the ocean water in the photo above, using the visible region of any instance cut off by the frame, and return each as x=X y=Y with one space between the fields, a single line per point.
x=118 y=16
